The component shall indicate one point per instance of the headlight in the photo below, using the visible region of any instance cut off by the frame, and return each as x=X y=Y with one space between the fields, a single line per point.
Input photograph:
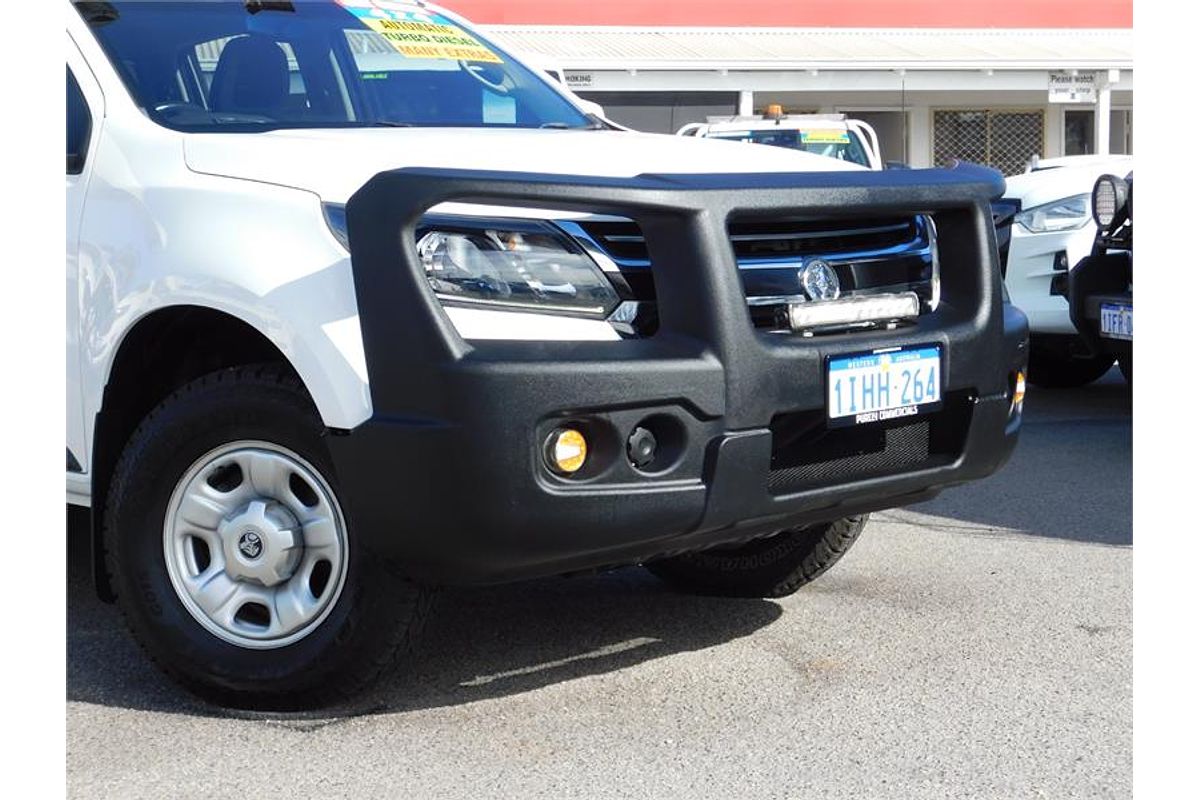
x=1061 y=215
x=518 y=265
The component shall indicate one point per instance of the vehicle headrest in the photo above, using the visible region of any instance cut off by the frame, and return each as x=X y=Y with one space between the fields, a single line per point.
x=251 y=76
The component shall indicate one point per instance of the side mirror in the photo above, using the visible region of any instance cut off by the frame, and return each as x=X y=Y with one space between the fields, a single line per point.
x=74 y=163
x=590 y=107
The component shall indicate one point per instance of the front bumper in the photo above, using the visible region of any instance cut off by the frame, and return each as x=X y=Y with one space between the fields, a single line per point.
x=448 y=477
x=1099 y=279
x=1031 y=275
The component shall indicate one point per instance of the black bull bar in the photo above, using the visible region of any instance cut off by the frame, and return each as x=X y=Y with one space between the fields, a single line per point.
x=447 y=477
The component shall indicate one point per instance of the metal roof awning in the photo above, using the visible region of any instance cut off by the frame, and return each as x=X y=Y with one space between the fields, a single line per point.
x=601 y=48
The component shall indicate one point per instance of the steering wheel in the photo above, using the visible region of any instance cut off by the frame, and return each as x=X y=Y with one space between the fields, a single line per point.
x=476 y=71
x=165 y=108
x=175 y=107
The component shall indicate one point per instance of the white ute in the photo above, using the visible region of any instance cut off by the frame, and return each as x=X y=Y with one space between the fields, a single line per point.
x=831 y=135
x=283 y=447
x=1052 y=231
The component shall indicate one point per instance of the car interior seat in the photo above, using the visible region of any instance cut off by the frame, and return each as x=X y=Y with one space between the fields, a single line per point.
x=251 y=77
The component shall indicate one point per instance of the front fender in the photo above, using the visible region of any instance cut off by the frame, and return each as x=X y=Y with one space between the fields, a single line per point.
x=257 y=252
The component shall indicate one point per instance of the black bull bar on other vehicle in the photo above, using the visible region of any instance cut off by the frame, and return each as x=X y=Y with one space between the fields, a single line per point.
x=447 y=475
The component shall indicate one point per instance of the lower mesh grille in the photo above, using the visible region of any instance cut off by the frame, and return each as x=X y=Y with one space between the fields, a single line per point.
x=806 y=454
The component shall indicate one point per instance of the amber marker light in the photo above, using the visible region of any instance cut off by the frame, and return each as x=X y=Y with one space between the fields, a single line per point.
x=1018 y=397
x=566 y=451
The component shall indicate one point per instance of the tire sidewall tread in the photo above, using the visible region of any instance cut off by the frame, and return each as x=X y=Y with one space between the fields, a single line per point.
x=377 y=616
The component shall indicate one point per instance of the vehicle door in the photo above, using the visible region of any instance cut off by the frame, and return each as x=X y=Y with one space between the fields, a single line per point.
x=85 y=113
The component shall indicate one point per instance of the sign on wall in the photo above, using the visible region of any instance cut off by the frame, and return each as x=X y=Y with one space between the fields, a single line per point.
x=1068 y=88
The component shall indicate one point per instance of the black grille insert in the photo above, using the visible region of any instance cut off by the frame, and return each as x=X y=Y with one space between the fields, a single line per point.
x=806 y=454
x=785 y=239
x=768 y=239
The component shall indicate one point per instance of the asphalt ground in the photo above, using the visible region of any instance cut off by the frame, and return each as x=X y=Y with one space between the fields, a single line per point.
x=975 y=646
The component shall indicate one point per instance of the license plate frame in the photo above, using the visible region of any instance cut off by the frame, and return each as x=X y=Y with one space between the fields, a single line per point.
x=931 y=355
x=1116 y=321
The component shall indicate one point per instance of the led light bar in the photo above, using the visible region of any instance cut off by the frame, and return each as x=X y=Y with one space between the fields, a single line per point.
x=851 y=310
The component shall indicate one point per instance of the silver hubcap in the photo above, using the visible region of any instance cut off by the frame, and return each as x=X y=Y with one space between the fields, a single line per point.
x=255 y=544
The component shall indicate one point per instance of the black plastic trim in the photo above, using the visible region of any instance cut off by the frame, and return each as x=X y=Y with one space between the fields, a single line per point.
x=447 y=476
x=1098 y=276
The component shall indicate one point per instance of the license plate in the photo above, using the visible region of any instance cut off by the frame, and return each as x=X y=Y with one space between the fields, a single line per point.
x=1116 y=321
x=883 y=385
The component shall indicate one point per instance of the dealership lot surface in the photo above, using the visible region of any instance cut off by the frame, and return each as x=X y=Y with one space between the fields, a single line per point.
x=975 y=646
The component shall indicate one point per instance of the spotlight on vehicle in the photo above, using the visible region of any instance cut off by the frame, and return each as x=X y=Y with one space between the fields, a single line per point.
x=1109 y=198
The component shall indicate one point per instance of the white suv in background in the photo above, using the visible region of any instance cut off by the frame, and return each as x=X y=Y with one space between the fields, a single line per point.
x=1052 y=230
x=830 y=135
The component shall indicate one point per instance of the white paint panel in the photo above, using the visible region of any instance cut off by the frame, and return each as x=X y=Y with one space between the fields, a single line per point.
x=483 y=324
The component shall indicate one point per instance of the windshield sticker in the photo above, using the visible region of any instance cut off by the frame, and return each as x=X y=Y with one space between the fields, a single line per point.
x=499 y=110
x=824 y=137
x=415 y=34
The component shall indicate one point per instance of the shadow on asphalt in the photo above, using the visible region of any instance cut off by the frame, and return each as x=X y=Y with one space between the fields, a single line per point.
x=1071 y=476
x=478 y=644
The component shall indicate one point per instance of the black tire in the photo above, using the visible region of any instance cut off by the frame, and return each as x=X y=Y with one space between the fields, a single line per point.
x=1126 y=364
x=376 y=616
x=774 y=566
x=1054 y=370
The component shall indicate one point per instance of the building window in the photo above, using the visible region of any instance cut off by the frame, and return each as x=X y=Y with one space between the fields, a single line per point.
x=1079 y=132
x=1004 y=139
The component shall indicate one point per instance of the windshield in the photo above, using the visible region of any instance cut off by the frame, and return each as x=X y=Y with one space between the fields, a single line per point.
x=248 y=65
x=841 y=145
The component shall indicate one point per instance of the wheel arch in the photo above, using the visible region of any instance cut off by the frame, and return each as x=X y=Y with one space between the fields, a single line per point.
x=159 y=353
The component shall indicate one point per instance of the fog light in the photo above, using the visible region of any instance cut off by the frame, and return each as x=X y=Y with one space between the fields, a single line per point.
x=566 y=450
x=1018 y=397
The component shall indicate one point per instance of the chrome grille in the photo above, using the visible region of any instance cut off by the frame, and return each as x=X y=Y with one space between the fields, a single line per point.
x=867 y=254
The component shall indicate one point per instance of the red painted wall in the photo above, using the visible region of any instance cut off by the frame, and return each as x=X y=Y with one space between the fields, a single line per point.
x=805 y=13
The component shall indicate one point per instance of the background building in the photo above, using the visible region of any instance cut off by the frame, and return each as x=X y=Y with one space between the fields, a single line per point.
x=974 y=79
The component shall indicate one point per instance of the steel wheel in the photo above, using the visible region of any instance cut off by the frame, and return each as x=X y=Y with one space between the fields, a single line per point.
x=255 y=544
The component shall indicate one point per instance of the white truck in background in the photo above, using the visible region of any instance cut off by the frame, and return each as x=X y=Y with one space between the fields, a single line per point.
x=830 y=135
x=1049 y=209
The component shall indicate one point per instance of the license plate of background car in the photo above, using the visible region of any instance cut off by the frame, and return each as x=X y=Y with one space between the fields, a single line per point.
x=1116 y=321
x=883 y=384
